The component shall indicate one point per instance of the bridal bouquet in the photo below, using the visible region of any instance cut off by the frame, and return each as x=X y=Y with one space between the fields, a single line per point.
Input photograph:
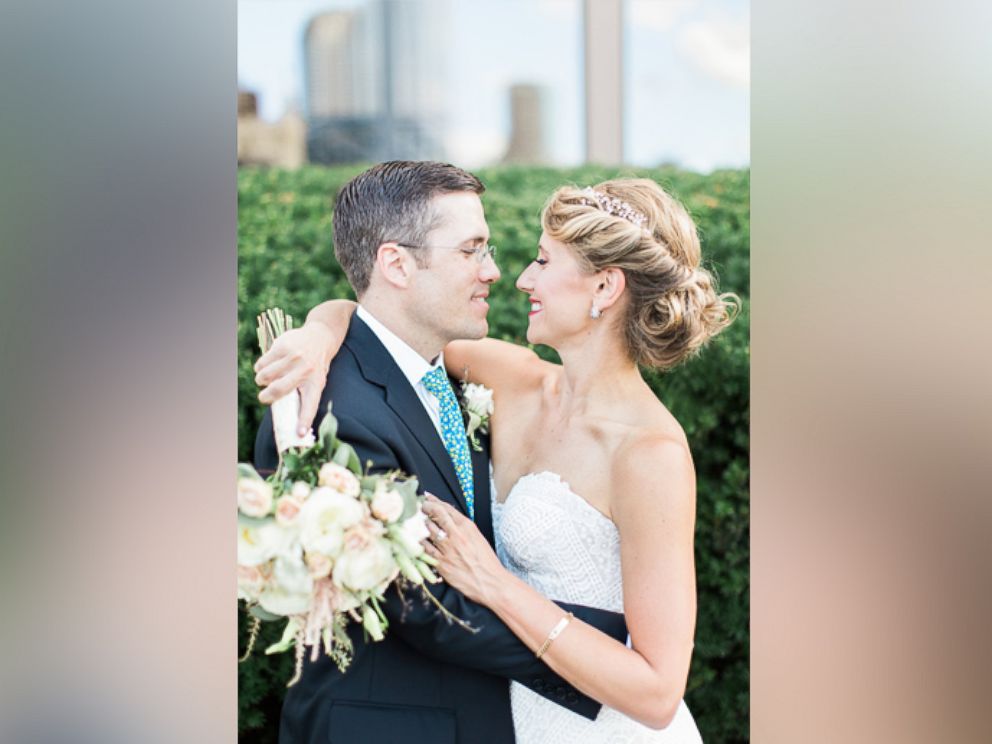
x=319 y=541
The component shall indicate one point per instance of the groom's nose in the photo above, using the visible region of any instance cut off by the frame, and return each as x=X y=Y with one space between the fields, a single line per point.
x=488 y=271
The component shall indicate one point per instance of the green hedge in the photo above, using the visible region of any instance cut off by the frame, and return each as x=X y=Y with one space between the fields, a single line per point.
x=286 y=259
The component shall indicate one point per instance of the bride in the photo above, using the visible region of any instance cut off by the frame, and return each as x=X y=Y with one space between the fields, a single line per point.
x=593 y=478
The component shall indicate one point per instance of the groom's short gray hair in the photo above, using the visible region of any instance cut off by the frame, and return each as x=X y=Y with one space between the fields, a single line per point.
x=391 y=202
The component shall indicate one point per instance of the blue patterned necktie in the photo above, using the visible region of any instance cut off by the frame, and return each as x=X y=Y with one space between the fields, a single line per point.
x=453 y=432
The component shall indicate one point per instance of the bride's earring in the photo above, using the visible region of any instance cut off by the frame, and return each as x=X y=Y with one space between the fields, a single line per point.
x=595 y=313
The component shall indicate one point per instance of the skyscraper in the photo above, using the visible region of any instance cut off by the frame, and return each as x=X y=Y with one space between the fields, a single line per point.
x=374 y=81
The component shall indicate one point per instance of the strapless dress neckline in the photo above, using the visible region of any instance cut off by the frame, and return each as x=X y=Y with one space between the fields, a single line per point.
x=556 y=481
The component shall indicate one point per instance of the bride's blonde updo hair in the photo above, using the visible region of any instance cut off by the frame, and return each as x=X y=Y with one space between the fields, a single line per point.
x=632 y=224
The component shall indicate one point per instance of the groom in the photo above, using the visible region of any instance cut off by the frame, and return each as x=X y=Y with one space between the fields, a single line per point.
x=412 y=239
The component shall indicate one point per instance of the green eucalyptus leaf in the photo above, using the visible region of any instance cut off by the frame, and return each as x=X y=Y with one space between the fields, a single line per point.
x=245 y=521
x=288 y=639
x=345 y=455
x=408 y=490
x=328 y=430
x=263 y=614
x=246 y=470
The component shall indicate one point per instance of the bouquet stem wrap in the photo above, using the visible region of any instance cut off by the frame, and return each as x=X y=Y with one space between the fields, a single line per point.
x=285 y=411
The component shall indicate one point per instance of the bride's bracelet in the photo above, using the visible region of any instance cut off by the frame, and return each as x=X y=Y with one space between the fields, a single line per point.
x=555 y=632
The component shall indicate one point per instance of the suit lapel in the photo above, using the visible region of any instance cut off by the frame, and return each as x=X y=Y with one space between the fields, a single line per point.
x=378 y=367
x=483 y=498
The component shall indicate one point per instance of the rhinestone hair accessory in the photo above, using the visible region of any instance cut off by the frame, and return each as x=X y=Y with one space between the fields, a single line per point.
x=614 y=206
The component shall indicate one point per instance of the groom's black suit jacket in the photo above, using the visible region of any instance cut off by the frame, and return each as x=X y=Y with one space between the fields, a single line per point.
x=428 y=681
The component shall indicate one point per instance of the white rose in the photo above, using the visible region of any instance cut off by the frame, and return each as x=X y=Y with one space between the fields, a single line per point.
x=300 y=491
x=339 y=479
x=412 y=532
x=387 y=504
x=254 y=497
x=324 y=518
x=287 y=509
x=291 y=588
x=256 y=545
x=365 y=568
x=479 y=399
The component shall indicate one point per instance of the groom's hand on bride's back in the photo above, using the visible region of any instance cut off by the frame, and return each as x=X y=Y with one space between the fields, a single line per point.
x=297 y=360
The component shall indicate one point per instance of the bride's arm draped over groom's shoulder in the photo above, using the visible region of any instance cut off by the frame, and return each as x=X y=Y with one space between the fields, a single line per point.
x=499 y=365
x=299 y=360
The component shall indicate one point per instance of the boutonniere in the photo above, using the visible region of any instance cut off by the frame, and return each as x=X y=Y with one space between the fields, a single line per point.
x=478 y=403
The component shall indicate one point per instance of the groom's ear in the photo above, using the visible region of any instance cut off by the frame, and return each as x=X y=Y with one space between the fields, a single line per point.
x=395 y=264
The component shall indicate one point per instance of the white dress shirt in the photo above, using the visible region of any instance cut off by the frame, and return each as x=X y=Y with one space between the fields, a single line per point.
x=411 y=364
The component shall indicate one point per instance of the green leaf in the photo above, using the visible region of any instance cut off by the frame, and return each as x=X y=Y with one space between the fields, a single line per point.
x=372 y=623
x=346 y=457
x=408 y=490
x=245 y=521
x=263 y=614
x=247 y=470
x=288 y=639
x=328 y=430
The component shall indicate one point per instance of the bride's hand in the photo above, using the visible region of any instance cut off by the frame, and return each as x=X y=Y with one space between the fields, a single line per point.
x=466 y=560
x=298 y=359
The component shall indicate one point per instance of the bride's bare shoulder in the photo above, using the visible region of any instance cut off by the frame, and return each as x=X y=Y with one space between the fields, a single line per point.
x=647 y=420
x=653 y=444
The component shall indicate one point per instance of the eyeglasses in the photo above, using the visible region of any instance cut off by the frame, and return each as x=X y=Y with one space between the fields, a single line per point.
x=480 y=252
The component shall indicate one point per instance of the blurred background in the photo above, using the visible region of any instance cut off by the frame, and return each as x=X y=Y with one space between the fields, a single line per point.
x=551 y=82
x=872 y=412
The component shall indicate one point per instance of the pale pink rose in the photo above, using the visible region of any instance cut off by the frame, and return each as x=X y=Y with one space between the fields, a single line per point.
x=287 y=509
x=254 y=497
x=319 y=565
x=356 y=539
x=359 y=536
x=251 y=581
x=387 y=504
x=300 y=491
x=339 y=479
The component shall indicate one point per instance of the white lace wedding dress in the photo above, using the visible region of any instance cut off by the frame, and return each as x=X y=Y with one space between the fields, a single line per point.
x=558 y=543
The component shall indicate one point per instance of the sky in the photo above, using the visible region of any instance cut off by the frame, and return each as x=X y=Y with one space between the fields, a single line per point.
x=686 y=74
